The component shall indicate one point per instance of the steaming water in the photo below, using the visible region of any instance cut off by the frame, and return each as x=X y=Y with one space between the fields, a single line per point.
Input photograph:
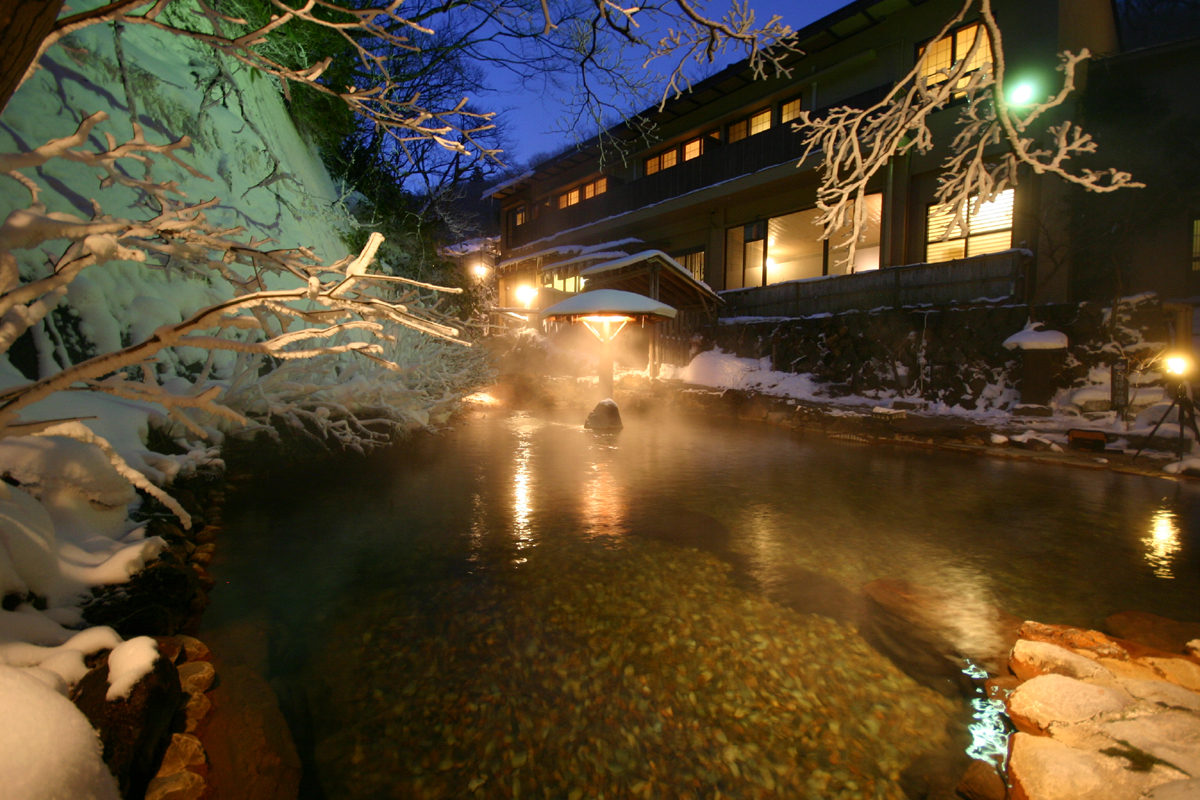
x=434 y=542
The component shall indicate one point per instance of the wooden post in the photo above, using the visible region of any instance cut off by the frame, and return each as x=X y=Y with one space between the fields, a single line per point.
x=606 y=370
x=655 y=351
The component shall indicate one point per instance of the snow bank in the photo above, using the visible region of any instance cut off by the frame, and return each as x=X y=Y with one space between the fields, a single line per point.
x=1034 y=338
x=47 y=748
x=725 y=371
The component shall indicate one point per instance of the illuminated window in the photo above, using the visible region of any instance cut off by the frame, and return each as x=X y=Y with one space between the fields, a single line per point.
x=585 y=192
x=693 y=149
x=664 y=160
x=737 y=131
x=789 y=111
x=790 y=248
x=564 y=280
x=1196 y=245
x=760 y=121
x=519 y=216
x=948 y=51
x=989 y=230
x=693 y=263
x=568 y=198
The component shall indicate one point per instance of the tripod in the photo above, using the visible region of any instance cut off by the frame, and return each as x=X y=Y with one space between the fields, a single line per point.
x=1187 y=416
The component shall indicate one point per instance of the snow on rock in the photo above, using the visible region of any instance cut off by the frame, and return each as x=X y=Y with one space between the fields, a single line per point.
x=128 y=663
x=725 y=371
x=47 y=747
x=75 y=482
x=28 y=547
x=1034 y=338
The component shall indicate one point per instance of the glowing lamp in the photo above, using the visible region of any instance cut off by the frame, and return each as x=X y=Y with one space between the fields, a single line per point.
x=605 y=326
x=526 y=295
x=1022 y=94
x=1179 y=365
x=606 y=312
x=480 y=271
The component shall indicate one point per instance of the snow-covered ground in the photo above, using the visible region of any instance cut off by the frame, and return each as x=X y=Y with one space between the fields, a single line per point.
x=998 y=408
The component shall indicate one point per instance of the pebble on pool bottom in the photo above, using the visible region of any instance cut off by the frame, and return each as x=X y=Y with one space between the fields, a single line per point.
x=599 y=671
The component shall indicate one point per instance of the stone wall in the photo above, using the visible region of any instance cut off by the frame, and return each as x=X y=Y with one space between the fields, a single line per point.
x=949 y=354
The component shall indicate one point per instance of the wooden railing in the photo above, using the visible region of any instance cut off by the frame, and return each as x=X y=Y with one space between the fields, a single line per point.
x=991 y=276
x=775 y=146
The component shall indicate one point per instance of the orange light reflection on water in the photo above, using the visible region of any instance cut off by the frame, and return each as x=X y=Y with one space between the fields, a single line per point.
x=1163 y=542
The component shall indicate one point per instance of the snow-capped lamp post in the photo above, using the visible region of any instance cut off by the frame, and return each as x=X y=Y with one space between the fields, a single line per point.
x=605 y=312
x=1178 y=367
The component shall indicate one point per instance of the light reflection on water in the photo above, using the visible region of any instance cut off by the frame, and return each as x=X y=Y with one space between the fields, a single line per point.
x=1162 y=545
x=804 y=521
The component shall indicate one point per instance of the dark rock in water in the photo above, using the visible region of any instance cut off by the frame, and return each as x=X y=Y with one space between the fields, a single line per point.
x=929 y=633
x=155 y=602
x=249 y=746
x=811 y=592
x=604 y=417
x=981 y=781
x=934 y=776
x=134 y=731
x=1152 y=630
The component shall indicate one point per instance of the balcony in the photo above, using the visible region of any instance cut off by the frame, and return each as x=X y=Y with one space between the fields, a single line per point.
x=991 y=276
x=722 y=163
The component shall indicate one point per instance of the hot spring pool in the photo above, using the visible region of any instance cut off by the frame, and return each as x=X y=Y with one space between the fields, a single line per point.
x=522 y=608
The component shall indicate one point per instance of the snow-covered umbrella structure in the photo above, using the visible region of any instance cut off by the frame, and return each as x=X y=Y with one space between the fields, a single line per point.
x=605 y=312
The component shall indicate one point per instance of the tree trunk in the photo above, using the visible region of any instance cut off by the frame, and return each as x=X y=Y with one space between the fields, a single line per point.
x=23 y=26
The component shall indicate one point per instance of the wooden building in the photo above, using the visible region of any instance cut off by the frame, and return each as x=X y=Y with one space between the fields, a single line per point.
x=721 y=190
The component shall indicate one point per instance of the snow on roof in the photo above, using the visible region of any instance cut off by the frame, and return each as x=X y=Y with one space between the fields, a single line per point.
x=1032 y=338
x=609 y=254
x=574 y=249
x=609 y=301
x=645 y=255
x=499 y=187
x=470 y=245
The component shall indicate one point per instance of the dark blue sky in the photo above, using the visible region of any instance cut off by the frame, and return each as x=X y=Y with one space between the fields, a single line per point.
x=531 y=116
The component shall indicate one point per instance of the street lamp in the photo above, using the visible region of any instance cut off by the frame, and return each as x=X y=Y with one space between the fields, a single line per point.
x=1178 y=365
x=526 y=294
x=605 y=312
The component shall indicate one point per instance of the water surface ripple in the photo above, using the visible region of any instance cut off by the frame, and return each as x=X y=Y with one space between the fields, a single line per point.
x=521 y=607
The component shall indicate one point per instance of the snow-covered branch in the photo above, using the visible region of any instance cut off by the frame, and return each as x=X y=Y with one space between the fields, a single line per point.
x=328 y=313
x=995 y=139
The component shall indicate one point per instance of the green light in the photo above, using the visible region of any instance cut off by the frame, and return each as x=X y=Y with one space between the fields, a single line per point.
x=1022 y=95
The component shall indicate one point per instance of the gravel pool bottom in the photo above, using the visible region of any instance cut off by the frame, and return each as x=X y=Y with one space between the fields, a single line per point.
x=523 y=608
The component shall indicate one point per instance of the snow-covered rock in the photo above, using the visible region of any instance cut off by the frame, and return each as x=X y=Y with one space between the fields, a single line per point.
x=47 y=747
x=1034 y=338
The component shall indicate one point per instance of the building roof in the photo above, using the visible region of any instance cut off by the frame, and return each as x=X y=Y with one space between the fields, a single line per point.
x=610 y=301
x=831 y=29
x=675 y=283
